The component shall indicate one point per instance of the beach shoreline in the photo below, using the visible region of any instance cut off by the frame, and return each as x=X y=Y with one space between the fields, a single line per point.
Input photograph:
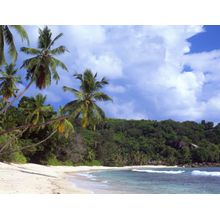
x=40 y=179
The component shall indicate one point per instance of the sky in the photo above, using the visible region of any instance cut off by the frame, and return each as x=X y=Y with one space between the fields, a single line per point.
x=155 y=72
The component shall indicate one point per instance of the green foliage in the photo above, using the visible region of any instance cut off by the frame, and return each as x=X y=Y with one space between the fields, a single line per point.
x=18 y=157
x=8 y=81
x=115 y=142
x=43 y=65
x=6 y=37
x=81 y=135
x=85 y=105
x=53 y=161
x=92 y=163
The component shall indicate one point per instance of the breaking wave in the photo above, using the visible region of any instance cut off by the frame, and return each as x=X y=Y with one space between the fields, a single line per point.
x=87 y=175
x=160 y=171
x=205 y=173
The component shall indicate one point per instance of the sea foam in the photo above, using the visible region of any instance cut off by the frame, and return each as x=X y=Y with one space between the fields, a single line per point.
x=87 y=175
x=205 y=173
x=160 y=171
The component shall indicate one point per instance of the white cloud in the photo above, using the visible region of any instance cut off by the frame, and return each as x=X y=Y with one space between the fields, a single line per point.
x=86 y=36
x=208 y=62
x=123 y=110
x=115 y=88
x=105 y=65
x=150 y=59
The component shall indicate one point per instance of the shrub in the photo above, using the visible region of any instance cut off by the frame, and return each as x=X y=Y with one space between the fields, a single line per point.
x=18 y=157
x=93 y=163
x=67 y=163
x=53 y=161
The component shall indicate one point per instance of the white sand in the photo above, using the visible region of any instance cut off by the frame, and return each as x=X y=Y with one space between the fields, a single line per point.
x=34 y=178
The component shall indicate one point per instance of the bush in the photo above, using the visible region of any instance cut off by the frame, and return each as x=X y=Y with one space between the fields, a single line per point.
x=18 y=157
x=67 y=163
x=53 y=161
x=92 y=163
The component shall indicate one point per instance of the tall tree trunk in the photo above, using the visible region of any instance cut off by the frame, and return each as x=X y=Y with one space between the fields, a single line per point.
x=12 y=139
x=16 y=98
x=35 y=144
x=34 y=126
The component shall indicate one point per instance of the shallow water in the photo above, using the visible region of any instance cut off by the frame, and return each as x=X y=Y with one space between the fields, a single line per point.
x=152 y=181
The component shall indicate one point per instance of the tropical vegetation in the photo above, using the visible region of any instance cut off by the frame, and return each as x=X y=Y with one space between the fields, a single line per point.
x=85 y=104
x=8 y=82
x=6 y=37
x=79 y=133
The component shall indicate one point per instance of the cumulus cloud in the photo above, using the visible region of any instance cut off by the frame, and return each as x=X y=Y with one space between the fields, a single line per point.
x=123 y=110
x=115 y=88
x=146 y=68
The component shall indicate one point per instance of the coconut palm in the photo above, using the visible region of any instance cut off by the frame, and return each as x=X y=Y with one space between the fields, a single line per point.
x=85 y=105
x=63 y=126
x=35 y=110
x=43 y=65
x=8 y=81
x=36 y=114
x=6 y=37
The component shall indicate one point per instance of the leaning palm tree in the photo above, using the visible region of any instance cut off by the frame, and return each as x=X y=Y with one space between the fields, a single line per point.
x=63 y=126
x=8 y=81
x=85 y=104
x=6 y=37
x=43 y=65
x=37 y=112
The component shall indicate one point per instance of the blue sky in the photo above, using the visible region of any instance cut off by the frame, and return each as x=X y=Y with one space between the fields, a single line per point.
x=155 y=72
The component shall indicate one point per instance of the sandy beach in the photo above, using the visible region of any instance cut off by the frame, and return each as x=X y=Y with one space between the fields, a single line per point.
x=39 y=179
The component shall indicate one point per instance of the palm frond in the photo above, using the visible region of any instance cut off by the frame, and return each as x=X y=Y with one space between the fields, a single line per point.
x=72 y=90
x=98 y=112
x=68 y=128
x=54 y=71
x=59 y=50
x=56 y=38
x=31 y=51
x=78 y=76
x=73 y=107
x=44 y=39
x=59 y=63
x=103 y=82
x=100 y=96
x=30 y=63
x=2 y=56
x=21 y=31
x=10 y=41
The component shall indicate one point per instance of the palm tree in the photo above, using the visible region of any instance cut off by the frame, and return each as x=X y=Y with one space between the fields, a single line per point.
x=63 y=126
x=8 y=80
x=35 y=110
x=7 y=37
x=36 y=113
x=43 y=65
x=85 y=105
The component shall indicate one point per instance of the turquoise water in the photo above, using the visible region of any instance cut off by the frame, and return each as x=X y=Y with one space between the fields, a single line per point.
x=153 y=181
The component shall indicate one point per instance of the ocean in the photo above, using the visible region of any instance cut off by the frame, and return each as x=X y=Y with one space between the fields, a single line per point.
x=151 y=181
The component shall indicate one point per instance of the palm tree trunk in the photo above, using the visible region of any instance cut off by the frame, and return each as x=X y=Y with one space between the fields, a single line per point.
x=16 y=98
x=12 y=139
x=35 y=126
x=35 y=144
